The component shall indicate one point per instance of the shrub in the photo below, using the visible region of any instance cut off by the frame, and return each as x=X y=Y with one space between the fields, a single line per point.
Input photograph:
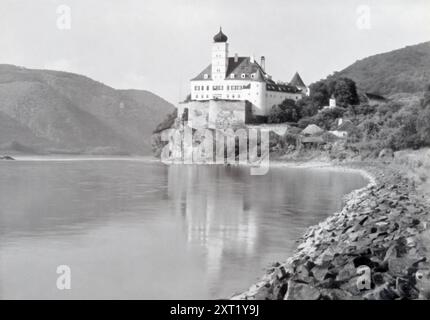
x=304 y=122
x=371 y=128
x=362 y=109
x=287 y=111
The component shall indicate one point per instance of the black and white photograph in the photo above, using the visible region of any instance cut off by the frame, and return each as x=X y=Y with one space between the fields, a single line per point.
x=230 y=150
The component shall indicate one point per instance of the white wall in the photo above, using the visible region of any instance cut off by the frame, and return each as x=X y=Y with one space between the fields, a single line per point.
x=275 y=98
x=262 y=99
x=204 y=90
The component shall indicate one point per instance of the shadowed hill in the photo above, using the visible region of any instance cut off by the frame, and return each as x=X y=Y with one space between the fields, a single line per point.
x=54 y=111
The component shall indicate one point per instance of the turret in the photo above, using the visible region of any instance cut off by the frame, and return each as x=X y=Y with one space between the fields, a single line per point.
x=219 y=56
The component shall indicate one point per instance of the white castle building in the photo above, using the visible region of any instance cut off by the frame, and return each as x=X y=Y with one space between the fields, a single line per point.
x=240 y=78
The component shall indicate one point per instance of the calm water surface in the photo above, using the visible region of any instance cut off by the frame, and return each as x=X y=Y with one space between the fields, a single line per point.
x=139 y=229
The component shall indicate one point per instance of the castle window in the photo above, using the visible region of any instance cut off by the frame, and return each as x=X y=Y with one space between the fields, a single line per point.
x=253 y=75
x=206 y=76
x=243 y=76
x=228 y=87
x=207 y=88
x=203 y=88
x=232 y=76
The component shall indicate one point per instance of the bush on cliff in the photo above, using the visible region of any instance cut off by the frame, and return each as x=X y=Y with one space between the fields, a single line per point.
x=168 y=121
x=287 y=111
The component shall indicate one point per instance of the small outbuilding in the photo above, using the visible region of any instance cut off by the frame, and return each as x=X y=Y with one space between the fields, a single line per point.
x=312 y=142
x=312 y=130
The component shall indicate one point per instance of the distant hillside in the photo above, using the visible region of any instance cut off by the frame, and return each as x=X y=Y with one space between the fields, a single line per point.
x=52 y=111
x=405 y=70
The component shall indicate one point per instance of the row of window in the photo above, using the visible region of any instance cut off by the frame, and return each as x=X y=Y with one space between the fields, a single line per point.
x=217 y=87
x=281 y=97
x=198 y=88
x=202 y=96
x=206 y=96
x=232 y=76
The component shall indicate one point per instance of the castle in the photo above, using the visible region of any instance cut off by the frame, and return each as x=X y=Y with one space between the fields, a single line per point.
x=235 y=86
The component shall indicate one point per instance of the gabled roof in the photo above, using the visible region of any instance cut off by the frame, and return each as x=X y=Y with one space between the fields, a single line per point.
x=297 y=81
x=312 y=129
x=243 y=65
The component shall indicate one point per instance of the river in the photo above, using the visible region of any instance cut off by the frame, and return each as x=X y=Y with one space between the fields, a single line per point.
x=137 y=229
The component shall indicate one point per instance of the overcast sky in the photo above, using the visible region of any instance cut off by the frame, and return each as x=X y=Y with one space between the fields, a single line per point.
x=158 y=45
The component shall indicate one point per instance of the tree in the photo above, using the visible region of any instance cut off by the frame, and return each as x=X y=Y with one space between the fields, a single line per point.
x=287 y=111
x=308 y=107
x=423 y=126
x=320 y=93
x=426 y=100
x=343 y=89
x=345 y=92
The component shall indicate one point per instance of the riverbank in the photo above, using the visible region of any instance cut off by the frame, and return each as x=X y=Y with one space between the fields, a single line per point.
x=375 y=248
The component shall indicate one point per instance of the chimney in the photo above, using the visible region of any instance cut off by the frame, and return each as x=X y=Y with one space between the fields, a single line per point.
x=263 y=63
x=236 y=58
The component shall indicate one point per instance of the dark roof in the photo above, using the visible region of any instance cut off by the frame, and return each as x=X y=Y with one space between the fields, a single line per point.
x=220 y=37
x=243 y=65
x=272 y=86
x=313 y=140
x=297 y=81
x=374 y=96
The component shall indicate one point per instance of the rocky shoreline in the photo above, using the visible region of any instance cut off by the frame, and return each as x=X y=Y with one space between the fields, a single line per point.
x=6 y=158
x=375 y=248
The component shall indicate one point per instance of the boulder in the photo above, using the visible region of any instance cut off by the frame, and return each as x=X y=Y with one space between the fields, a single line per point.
x=301 y=291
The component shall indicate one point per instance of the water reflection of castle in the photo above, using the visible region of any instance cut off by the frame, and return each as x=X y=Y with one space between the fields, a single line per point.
x=244 y=222
x=207 y=213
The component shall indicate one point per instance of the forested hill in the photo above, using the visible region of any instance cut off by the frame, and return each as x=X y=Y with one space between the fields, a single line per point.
x=405 y=70
x=59 y=112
